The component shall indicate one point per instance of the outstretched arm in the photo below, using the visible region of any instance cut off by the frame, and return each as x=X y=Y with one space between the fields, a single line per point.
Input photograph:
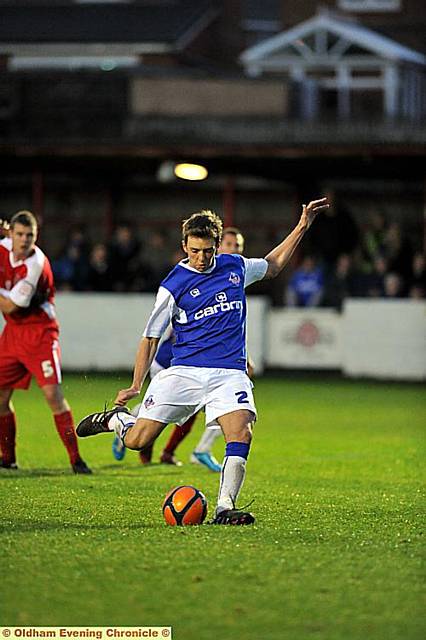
x=158 y=322
x=144 y=357
x=279 y=257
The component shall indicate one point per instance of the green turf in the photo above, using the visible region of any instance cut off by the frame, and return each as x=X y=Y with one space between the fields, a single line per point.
x=336 y=470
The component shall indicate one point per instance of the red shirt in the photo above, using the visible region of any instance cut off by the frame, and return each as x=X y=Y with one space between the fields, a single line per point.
x=20 y=280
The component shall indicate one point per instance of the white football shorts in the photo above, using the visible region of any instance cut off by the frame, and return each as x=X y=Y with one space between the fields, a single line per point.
x=176 y=393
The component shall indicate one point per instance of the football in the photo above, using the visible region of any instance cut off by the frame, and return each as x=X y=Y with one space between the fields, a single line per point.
x=184 y=505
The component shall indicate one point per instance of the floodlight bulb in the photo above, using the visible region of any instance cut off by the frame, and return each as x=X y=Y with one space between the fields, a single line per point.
x=189 y=171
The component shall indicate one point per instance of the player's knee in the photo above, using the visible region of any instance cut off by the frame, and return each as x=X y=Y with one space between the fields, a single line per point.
x=5 y=401
x=5 y=407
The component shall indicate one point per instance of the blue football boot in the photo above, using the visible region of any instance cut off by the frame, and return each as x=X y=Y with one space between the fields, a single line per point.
x=118 y=449
x=207 y=460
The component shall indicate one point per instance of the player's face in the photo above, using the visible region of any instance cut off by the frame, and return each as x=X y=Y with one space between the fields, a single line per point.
x=23 y=240
x=200 y=252
x=232 y=243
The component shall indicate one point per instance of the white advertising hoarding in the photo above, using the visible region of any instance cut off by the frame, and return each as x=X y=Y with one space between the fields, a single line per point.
x=385 y=339
x=101 y=331
x=304 y=338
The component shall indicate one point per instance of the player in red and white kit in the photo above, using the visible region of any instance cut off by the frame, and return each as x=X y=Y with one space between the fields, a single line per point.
x=29 y=342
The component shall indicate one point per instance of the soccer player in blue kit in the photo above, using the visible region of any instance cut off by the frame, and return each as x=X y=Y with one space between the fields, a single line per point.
x=232 y=241
x=204 y=299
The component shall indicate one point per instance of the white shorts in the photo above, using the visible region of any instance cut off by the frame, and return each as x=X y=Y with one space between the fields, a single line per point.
x=176 y=393
x=155 y=369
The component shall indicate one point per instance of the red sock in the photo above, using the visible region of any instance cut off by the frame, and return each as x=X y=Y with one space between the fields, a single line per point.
x=145 y=455
x=178 y=434
x=8 y=437
x=65 y=427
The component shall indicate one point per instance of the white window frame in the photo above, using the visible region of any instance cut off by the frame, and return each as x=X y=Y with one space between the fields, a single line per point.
x=369 y=5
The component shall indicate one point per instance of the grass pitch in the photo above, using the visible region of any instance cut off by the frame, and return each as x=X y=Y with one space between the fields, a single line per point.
x=336 y=470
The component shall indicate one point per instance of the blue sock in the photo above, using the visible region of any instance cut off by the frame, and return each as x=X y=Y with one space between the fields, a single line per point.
x=240 y=449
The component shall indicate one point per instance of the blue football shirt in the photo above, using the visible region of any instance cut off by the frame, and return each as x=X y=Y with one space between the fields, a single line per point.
x=207 y=311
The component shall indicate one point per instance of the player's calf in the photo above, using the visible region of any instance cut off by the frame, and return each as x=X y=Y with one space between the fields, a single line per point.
x=142 y=435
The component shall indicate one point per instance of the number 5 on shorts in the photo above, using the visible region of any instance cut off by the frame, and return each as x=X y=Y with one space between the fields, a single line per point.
x=47 y=368
x=242 y=397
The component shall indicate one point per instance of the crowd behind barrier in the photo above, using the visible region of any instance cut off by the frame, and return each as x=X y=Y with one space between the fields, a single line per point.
x=338 y=260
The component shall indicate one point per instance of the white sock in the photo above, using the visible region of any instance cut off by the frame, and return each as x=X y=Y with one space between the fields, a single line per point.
x=121 y=421
x=207 y=440
x=231 y=481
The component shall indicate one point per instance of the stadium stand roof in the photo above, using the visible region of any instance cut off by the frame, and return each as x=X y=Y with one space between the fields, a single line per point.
x=161 y=27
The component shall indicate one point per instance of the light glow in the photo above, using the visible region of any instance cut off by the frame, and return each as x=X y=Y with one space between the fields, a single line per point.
x=189 y=171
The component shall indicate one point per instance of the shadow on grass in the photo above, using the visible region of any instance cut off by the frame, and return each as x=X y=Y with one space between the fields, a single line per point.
x=153 y=469
x=32 y=526
x=15 y=474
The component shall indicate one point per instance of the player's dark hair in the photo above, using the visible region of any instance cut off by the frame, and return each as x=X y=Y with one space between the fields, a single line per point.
x=26 y=218
x=204 y=224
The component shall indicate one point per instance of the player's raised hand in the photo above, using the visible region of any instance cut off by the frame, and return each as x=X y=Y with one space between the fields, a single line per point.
x=310 y=211
x=124 y=395
x=4 y=228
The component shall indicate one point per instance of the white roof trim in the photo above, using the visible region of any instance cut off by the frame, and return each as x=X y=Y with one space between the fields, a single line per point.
x=103 y=49
x=350 y=31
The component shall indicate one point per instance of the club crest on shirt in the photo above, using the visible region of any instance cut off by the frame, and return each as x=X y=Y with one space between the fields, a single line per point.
x=234 y=278
x=149 y=402
x=25 y=288
x=194 y=292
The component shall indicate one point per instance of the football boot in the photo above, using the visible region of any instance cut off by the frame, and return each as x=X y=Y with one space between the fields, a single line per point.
x=207 y=460
x=96 y=423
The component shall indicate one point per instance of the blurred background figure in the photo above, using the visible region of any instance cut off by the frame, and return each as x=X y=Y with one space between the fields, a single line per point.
x=336 y=232
x=398 y=251
x=375 y=281
x=340 y=284
x=99 y=272
x=70 y=269
x=305 y=288
x=155 y=260
x=373 y=238
x=393 y=285
x=124 y=249
x=417 y=282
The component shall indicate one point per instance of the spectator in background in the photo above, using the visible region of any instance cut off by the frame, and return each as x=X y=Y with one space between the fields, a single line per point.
x=124 y=251
x=375 y=281
x=70 y=269
x=335 y=233
x=398 y=251
x=99 y=273
x=373 y=240
x=339 y=285
x=155 y=258
x=393 y=285
x=305 y=287
x=417 y=281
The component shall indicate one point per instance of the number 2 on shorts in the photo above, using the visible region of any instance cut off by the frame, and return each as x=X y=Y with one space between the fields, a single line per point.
x=242 y=397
